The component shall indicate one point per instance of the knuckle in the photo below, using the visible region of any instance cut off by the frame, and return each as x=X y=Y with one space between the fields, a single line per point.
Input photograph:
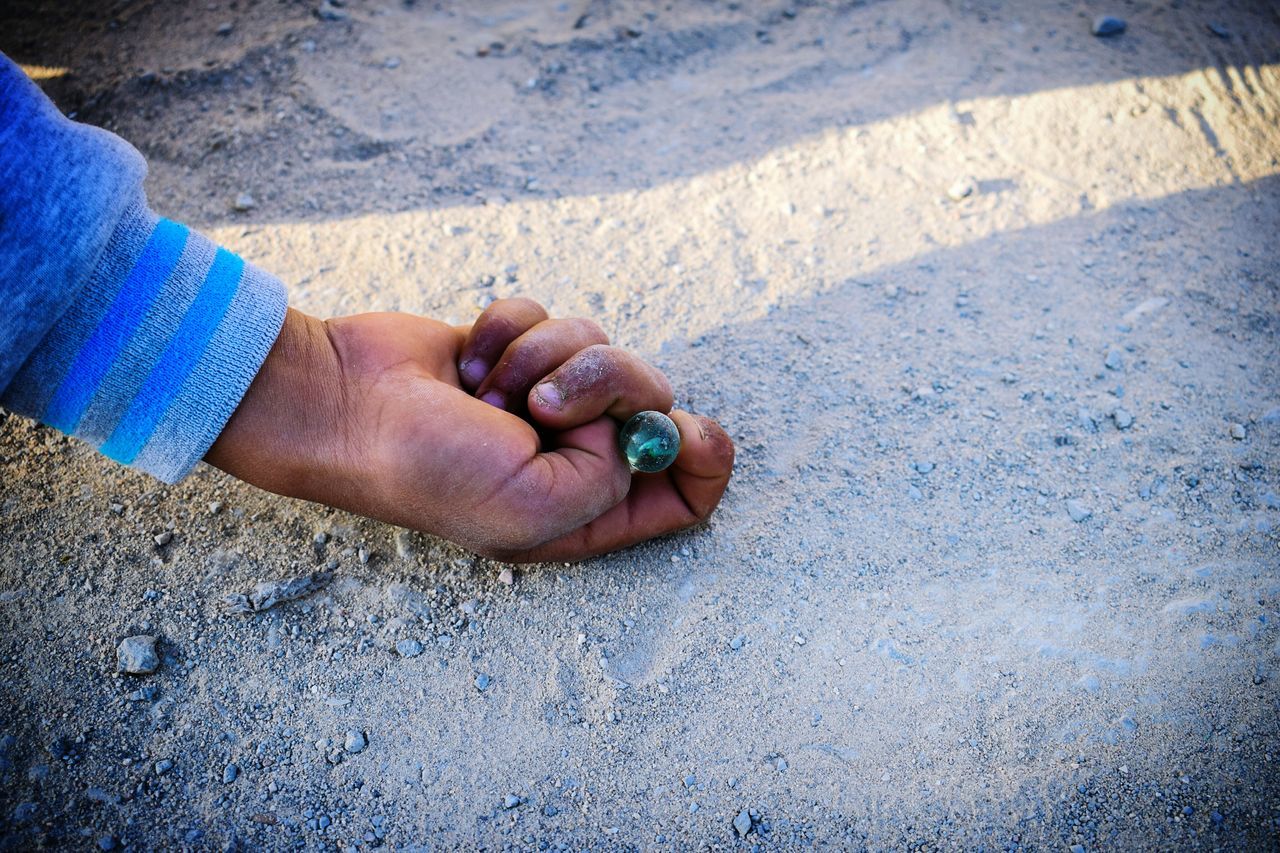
x=591 y=330
x=517 y=305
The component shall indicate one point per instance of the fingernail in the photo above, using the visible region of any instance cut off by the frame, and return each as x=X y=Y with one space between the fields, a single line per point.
x=550 y=394
x=494 y=398
x=474 y=370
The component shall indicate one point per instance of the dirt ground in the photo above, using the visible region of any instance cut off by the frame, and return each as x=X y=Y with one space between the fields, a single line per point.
x=990 y=305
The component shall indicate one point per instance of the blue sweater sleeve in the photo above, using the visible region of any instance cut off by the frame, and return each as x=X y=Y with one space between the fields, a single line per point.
x=121 y=328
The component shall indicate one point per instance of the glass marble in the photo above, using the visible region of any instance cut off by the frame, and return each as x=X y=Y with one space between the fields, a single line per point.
x=649 y=441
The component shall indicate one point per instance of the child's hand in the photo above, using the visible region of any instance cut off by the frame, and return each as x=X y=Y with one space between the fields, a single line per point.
x=376 y=414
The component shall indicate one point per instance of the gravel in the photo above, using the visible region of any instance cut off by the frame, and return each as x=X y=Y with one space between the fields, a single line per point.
x=409 y=648
x=1106 y=25
x=355 y=741
x=137 y=655
x=1077 y=510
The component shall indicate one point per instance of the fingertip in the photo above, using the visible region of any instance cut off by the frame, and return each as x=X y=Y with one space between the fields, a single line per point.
x=705 y=448
x=547 y=395
x=473 y=371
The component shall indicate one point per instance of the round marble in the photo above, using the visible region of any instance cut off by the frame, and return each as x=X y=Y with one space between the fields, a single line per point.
x=649 y=441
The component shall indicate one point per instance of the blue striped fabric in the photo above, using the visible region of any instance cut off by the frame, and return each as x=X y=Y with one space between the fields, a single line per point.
x=121 y=322
x=178 y=359
x=116 y=326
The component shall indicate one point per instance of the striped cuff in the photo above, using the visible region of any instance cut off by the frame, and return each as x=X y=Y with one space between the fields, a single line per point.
x=150 y=361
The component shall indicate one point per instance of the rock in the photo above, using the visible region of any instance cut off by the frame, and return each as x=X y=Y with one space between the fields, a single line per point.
x=506 y=577
x=144 y=694
x=799 y=639
x=225 y=29
x=482 y=682
x=922 y=467
x=327 y=11
x=962 y=189
x=690 y=780
x=137 y=655
x=738 y=642
x=1077 y=510
x=1123 y=418
x=164 y=538
x=244 y=203
x=230 y=773
x=1087 y=421
x=404 y=544
x=742 y=823
x=268 y=594
x=355 y=741
x=1219 y=30
x=409 y=648
x=1238 y=432
x=107 y=842
x=1114 y=360
x=163 y=766
x=1106 y=25
x=510 y=801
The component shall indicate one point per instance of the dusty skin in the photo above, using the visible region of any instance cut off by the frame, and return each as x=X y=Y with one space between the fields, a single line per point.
x=987 y=304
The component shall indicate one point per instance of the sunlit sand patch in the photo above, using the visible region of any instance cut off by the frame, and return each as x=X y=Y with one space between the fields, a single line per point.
x=40 y=73
x=726 y=245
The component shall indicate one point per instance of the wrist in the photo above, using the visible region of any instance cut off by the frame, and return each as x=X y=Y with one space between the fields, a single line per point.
x=285 y=435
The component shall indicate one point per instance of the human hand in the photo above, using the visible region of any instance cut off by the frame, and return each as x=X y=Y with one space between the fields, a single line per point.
x=450 y=430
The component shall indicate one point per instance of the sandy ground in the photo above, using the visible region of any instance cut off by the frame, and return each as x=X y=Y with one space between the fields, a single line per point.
x=989 y=304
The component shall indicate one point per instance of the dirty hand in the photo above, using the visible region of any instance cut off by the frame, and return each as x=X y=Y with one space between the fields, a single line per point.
x=437 y=428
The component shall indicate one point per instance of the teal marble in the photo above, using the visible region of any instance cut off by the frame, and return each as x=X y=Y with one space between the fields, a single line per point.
x=650 y=442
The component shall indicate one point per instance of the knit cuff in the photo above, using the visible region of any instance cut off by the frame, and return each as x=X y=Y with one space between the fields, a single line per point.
x=150 y=361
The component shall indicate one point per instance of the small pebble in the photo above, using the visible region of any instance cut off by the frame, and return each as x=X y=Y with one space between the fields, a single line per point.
x=107 y=842
x=137 y=655
x=164 y=538
x=1114 y=360
x=225 y=29
x=506 y=577
x=510 y=801
x=409 y=648
x=355 y=741
x=483 y=681
x=244 y=203
x=1123 y=418
x=961 y=189
x=404 y=544
x=742 y=823
x=738 y=642
x=328 y=11
x=799 y=639
x=1077 y=510
x=230 y=773
x=1106 y=25
x=923 y=467
x=1238 y=432
x=690 y=780
x=163 y=766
